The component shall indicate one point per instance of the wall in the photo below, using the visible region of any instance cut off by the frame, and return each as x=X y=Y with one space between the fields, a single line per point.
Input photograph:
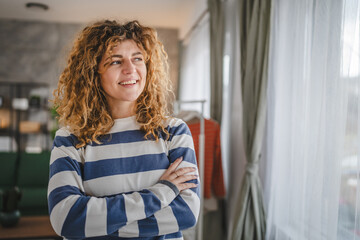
x=195 y=10
x=34 y=51
x=170 y=39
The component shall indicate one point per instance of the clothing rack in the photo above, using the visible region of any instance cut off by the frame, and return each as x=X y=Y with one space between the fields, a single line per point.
x=199 y=229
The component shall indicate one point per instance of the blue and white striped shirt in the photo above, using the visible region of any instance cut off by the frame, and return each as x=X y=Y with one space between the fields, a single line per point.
x=111 y=190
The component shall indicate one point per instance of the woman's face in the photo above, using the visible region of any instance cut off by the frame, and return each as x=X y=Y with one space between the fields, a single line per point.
x=123 y=74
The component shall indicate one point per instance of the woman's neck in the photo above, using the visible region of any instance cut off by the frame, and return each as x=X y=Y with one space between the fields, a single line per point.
x=122 y=110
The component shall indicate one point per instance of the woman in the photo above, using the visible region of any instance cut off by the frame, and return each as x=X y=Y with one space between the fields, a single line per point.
x=121 y=168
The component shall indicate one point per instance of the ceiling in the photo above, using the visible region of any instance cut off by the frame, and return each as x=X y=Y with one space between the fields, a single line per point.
x=178 y=14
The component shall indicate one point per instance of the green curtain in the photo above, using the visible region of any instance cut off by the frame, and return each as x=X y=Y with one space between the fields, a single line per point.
x=216 y=12
x=254 y=17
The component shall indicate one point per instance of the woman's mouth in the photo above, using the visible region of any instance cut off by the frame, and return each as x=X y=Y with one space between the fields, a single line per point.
x=129 y=82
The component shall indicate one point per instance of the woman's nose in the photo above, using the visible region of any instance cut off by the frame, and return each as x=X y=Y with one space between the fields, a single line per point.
x=128 y=67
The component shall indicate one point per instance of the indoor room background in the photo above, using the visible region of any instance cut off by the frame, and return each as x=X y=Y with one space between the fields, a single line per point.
x=277 y=80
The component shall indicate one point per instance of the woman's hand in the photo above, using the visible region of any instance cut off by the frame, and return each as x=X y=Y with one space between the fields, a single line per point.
x=178 y=177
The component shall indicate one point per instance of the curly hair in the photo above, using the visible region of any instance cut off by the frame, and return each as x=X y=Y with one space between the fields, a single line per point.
x=79 y=97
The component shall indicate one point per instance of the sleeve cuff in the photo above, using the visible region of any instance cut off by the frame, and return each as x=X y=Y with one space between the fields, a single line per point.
x=170 y=185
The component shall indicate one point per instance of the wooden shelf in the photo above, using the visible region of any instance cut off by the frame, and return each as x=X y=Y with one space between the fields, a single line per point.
x=23 y=123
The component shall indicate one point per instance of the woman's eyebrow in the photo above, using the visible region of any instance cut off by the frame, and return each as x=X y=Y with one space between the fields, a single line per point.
x=106 y=61
x=121 y=56
x=115 y=55
x=137 y=53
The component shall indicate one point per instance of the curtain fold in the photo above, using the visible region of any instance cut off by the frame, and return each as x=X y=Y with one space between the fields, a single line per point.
x=254 y=17
x=216 y=57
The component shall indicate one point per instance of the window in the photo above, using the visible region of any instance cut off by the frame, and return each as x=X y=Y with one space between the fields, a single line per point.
x=349 y=208
x=195 y=68
x=313 y=145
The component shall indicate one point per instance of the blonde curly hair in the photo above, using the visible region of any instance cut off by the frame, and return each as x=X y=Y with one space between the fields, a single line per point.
x=79 y=97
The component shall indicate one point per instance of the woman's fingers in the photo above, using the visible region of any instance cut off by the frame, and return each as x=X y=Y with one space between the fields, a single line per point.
x=182 y=171
x=182 y=182
x=184 y=178
x=175 y=164
x=185 y=186
x=181 y=176
x=171 y=169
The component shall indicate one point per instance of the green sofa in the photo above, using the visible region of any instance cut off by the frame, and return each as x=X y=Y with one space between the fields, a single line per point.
x=32 y=179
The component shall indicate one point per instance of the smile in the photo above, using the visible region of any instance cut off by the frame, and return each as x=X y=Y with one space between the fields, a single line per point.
x=130 y=82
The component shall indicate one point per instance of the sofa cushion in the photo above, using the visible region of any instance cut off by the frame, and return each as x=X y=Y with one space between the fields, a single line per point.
x=33 y=197
x=33 y=170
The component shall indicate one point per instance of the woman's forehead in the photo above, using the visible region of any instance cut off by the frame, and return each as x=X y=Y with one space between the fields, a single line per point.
x=126 y=43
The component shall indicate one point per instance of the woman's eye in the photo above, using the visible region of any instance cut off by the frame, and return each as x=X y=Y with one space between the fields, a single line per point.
x=138 y=59
x=115 y=62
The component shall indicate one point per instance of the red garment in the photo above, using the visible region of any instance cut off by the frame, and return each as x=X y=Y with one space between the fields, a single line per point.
x=214 y=179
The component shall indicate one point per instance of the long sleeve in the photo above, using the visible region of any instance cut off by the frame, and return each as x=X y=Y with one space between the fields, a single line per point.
x=73 y=214
x=183 y=211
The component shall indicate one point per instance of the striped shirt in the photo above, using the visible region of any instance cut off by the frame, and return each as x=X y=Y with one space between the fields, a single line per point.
x=112 y=190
